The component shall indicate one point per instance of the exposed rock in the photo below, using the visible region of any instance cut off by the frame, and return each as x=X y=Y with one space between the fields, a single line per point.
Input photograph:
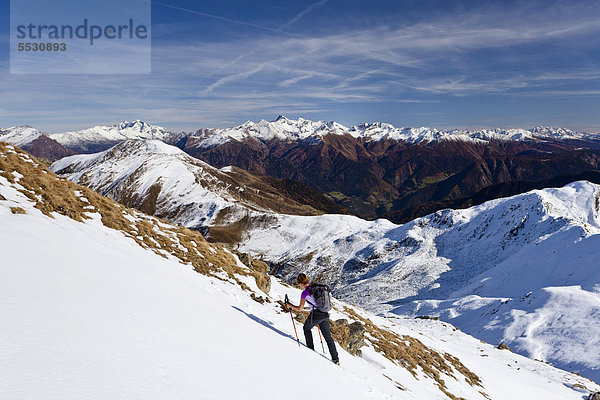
x=263 y=281
x=594 y=396
x=503 y=346
x=350 y=336
x=260 y=266
x=245 y=258
x=259 y=299
x=428 y=317
x=2 y=197
x=262 y=277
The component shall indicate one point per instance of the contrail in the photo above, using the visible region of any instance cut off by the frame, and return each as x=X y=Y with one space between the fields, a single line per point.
x=278 y=29
x=233 y=21
x=301 y=14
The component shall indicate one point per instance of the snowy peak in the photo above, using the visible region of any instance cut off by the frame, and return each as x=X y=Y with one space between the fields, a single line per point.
x=19 y=135
x=284 y=128
x=102 y=137
x=561 y=133
x=281 y=129
x=35 y=142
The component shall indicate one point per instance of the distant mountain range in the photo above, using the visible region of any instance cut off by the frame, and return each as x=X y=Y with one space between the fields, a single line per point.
x=376 y=170
x=372 y=170
x=302 y=129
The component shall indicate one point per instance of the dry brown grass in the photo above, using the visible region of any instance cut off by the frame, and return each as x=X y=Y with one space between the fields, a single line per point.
x=412 y=354
x=232 y=232
x=17 y=210
x=51 y=194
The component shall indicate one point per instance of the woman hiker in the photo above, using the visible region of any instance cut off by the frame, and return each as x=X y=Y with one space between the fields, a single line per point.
x=315 y=318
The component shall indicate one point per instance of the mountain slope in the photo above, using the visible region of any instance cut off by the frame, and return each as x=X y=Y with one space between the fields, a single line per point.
x=34 y=142
x=94 y=311
x=472 y=267
x=162 y=180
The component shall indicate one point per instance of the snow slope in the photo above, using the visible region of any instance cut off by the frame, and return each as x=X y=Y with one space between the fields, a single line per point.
x=88 y=312
x=147 y=164
x=471 y=267
x=103 y=137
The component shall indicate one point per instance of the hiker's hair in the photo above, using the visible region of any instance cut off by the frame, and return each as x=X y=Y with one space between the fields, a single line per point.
x=302 y=279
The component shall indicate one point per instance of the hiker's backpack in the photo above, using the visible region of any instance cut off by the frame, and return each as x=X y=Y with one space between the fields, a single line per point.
x=320 y=292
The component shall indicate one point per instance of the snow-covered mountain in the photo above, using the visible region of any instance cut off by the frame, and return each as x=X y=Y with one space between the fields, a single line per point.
x=100 y=138
x=302 y=129
x=162 y=180
x=34 y=141
x=100 y=301
x=513 y=268
x=19 y=135
x=521 y=270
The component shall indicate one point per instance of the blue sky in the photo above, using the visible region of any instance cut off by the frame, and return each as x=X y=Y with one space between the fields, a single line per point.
x=439 y=63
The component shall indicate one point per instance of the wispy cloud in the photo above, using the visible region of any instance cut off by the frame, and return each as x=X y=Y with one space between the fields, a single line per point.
x=406 y=68
x=234 y=77
x=219 y=17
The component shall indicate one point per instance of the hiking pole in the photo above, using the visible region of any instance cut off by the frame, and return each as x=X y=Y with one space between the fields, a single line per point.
x=320 y=337
x=296 y=332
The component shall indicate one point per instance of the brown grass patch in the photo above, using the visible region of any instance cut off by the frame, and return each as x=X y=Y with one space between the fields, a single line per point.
x=351 y=337
x=17 y=210
x=412 y=354
x=51 y=194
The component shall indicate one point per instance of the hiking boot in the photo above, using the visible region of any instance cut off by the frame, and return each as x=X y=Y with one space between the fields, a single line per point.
x=337 y=362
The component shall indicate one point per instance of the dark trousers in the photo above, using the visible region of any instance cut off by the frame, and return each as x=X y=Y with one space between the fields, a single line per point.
x=322 y=320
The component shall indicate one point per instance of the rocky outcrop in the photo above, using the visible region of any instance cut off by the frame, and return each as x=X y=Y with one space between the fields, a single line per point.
x=261 y=269
x=47 y=148
x=350 y=336
x=503 y=346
